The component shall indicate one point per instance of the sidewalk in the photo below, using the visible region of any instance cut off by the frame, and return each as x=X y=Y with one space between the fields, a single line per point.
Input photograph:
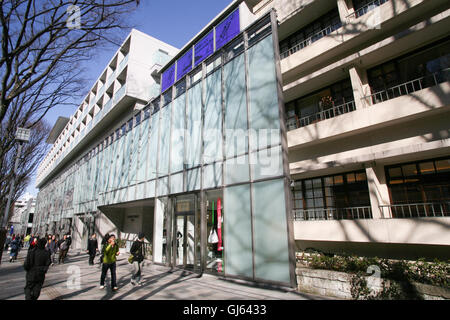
x=77 y=280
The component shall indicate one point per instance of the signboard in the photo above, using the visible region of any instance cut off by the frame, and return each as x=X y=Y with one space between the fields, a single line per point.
x=227 y=29
x=168 y=78
x=204 y=48
x=184 y=64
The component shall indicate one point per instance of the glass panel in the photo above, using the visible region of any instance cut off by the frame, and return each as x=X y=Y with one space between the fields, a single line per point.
x=409 y=170
x=236 y=170
x=270 y=231
x=237 y=230
x=264 y=113
x=214 y=248
x=267 y=163
x=162 y=186
x=212 y=175
x=176 y=183
x=426 y=167
x=177 y=139
x=443 y=165
x=213 y=119
x=164 y=144
x=193 y=179
x=153 y=147
x=194 y=125
x=143 y=150
x=236 y=142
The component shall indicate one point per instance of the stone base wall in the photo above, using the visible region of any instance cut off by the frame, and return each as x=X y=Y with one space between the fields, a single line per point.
x=338 y=284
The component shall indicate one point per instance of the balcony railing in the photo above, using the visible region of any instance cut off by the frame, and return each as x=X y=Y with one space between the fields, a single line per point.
x=119 y=94
x=122 y=63
x=295 y=122
x=416 y=210
x=333 y=213
x=368 y=7
x=317 y=36
x=408 y=87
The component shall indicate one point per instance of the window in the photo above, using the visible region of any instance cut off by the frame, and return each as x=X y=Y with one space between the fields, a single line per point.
x=342 y=196
x=421 y=69
x=137 y=119
x=321 y=105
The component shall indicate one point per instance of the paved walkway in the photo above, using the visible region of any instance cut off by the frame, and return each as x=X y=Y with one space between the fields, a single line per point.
x=63 y=283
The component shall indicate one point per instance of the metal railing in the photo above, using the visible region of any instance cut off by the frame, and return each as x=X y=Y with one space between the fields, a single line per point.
x=368 y=7
x=294 y=122
x=317 y=36
x=416 y=210
x=333 y=213
x=408 y=87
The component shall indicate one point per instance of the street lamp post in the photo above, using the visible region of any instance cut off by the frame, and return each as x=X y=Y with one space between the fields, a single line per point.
x=22 y=136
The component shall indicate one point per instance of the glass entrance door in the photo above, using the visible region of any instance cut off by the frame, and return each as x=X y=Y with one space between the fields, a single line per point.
x=186 y=235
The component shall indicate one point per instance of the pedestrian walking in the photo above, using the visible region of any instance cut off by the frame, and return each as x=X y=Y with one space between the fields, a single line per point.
x=26 y=241
x=104 y=243
x=14 y=245
x=92 y=248
x=109 y=262
x=52 y=247
x=137 y=250
x=36 y=265
x=63 y=246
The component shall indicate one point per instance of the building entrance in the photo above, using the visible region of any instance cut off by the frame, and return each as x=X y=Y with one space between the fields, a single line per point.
x=186 y=235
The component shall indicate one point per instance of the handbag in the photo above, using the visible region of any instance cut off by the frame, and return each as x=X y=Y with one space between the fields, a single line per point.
x=130 y=258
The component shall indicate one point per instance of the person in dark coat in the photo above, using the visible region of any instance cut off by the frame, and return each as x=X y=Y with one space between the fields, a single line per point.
x=36 y=265
x=137 y=250
x=63 y=246
x=92 y=248
x=52 y=247
x=14 y=250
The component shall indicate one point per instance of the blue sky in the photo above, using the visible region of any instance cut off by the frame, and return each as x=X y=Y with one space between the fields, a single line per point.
x=172 y=21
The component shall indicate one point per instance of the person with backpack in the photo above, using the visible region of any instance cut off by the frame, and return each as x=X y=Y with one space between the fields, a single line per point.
x=109 y=262
x=137 y=251
x=36 y=265
x=63 y=246
x=14 y=245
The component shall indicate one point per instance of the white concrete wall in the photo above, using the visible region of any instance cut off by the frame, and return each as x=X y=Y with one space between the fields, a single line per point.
x=429 y=231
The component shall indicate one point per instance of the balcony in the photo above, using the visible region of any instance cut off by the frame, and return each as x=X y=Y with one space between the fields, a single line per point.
x=122 y=64
x=119 y=94
x=317 y=36
x=350 y=213
x=416 y=210
x=366 y=8
x=295 y=122
x=408 y=88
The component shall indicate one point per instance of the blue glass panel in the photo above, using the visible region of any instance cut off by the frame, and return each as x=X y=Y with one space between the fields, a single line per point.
x=168 y=77
x=184 y=64
x=227 y=29
x=204 y=48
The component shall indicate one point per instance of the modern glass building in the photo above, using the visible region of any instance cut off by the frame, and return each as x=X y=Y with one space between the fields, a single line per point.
x=204 y=162
x=281 y=126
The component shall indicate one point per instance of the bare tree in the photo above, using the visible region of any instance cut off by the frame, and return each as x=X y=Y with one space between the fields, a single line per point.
x=44 y=45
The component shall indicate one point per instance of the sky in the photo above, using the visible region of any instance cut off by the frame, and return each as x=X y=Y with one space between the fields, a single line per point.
x=172 y=21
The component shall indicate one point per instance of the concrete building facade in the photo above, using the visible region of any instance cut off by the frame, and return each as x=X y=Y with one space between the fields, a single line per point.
x=281 y=126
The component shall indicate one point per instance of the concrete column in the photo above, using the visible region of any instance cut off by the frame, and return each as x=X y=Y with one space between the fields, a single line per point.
x=360 y=85
x=158 y=224
x=378 y=190
x=345 y=8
